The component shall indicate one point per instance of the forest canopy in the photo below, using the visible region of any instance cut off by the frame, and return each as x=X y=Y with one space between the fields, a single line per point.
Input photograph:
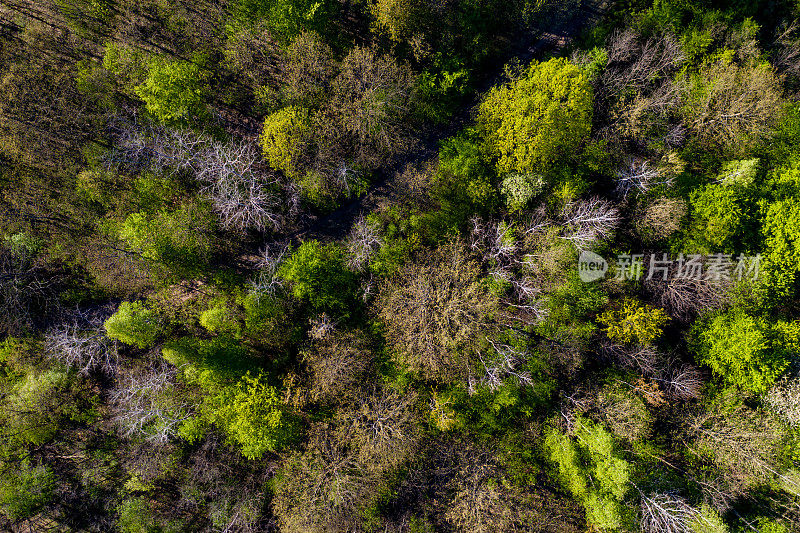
x=399 y=266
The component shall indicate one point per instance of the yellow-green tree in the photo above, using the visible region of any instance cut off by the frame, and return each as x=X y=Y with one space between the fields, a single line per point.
x=746 y=351
x=592 y=470
x=283 y=138
x=532 y=121
x=173 y=90
x=634 y=322
x=255 y=418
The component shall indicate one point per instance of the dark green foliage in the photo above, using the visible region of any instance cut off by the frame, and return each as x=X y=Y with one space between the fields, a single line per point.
x=210 y=363
x=25 y=489
x=571 y=309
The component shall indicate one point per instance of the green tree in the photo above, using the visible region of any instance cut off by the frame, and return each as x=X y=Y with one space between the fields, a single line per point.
x=633 y=322
x=318 y=276
x=781 y=232
x=25 y=489
x=533 y=121
x=179 y=240
x=591 y=468
x=463 y=184
x=720 y=216
x=746 y=351
x=173 y=90
x=134 y=323
x=255 y=418
x=283 y=138
x=286 y=18
x=221 y=318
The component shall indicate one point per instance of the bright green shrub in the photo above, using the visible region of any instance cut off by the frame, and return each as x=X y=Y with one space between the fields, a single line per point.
x=708 y=521
x=634 y=322
x=37 y=405
x=592 y=470
x=173 y=90
x=747 y=351
x=719 y=214
x=766 y=525
x=564 y=454
x=255 y=418
x=318 y=276
x=740 y=173
x=781 y=259
x=283 y=137
x=134 y=323
x=220 y=318
x=604 y=512
x=535 y=120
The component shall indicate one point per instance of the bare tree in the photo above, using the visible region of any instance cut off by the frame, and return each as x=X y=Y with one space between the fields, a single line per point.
x=683 y=382
x=636 y=65
x=684 y=297
x=743 y=443
x=643 y=359
x=734 y=105
x=503 y=363
x=372 y=98
x=661 y=218
x=639 y=176
x=787 y=56
x=337 y=362
x=666 y=513
x=383 y=426
x=147 y=404
x=267 y=281
x=83 y=349
x=322 y=327
x=434 y=312
x=242 y=189
x=589 y=221
x=25 y=287
x=491 y=240
x=309 y=69
x=636 y=90
x=363 y=242
x=784 y=399
x=244 y=192
x=477 y=503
